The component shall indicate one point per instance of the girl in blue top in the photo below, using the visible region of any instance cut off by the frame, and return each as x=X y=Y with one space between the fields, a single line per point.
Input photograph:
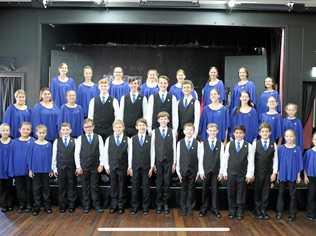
x=269 y=92
x=118 y=87
x=150 y=87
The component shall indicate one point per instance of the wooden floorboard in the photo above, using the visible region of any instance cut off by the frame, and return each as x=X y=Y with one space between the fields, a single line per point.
x=87 y=224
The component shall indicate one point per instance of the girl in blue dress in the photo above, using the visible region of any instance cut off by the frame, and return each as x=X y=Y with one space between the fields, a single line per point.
x=310 y=179
x=243 y=85
x=72 y=113
x=268 y=92
x=247 y=116
x=289 y=168
x=17 y=113
x=216 y=113
x=46 y=113
x=61 y=84
x=86 y=90
x=118 y=87
x=176 y=89
x=150 y=87
x=213 y=83
x=273 y=118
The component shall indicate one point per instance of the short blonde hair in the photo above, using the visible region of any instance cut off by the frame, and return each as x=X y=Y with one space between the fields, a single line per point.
x=189 y=125
x=41 y=127
x=19 y=92
x=188 y=82
x=118 y=122
x=212 y=125
x=103 y=81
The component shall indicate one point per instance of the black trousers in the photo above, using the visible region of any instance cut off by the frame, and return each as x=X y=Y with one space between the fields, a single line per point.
x=292 y=192
x=180 y=134
x=41 y=190
x=140 y=179
x=130 y=131
x=262 y=191
x=67 y=193
x=118 y=178
x=6 y=193
x=236 y=193
x=210 y=181
x=104 y=132
x=311 y=200
x=163 y=181
x=24 y=190
x=187 y=194
x=90 y=179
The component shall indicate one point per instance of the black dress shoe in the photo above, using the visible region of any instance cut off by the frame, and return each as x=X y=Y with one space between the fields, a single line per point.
x=309 y=217
x=133 y=211
x=112 y=210
x=265 y=215
x=279 y=216
x=184 y=212
x=291 y=218
x=28 y=210
x=258 y=215
x=189 y=212
x=10 y=209
x=35 y=212
x=99 y=210
x=62 y=210
x=145 y=211
x=20 y=209
x=158 y=210
x=86 y=210
x=166 y=210
x=231 y=215
x=71 y=210
x=4 y=210
x=202 y=213
x=239 y=216
x=217 y=214
x=49 y=211
x=120 y=211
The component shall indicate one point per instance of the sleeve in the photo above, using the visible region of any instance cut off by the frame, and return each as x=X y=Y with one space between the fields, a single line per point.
x=53 y=89
x=101 y=150
x=279 y=102
x=73 y=85
x=174 y=147
x=201 y=157
x=106 y=154
x=300 y=167
x=145 y=104
x=203 y=125
x=80 y=95
x=91 y=109
x=7 y=116
x=54 y=156
x=35 y=116
x=178 y=159
x=251 y=162
x=196 y=117
x=222 y=92
x=275 y=159
x=225 y=160
x=222 y=159
x=130 y=152
x=175 y=119
x=77 y=152
x=152 y=150
x=253 y=94
x=116 y=109
x=150 y=110
x=122 y=105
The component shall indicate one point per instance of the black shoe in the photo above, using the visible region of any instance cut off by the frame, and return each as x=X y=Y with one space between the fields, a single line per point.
x=231 y=214
x=265 y=215
x=112 y=210
x=49 y=211
x=20 y=209
x=258 y=215
x=28 y=210
x=99 y=210
x=166 y=209
x=4 y=210
x=71 y=210
x=35 y=212
x=202 y=213
x=62 y=210
x=309 y=217
x=86 y=210
x=217 y=214
x=145 y=211
x=134 y=211
x=184 y=212
x=239 y=216
x=10 y=209
x=279 y=216
x=291 y=218
x=189 y=212
x=120 y=211
x=158 y=210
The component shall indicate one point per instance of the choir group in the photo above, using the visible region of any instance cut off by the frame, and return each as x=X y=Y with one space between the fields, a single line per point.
x=125 y=128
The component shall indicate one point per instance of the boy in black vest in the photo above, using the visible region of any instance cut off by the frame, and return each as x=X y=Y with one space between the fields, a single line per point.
x=132 y=107
x=64 y=168
x=103 y=110
x=140 y=166
x=187 y=167
x=238 y=170
x=116 y=163
x=162 y=101
x=211 y=157
x=266 y=166
x=188 y=109
x=89 y=161
x=163 y=143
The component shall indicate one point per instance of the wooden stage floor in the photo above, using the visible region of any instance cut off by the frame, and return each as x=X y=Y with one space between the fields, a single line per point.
x=87 y=224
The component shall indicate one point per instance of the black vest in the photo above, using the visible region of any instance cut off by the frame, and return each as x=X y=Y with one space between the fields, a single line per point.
x=65 y=155
x=141 y=154
x=103 y=115
x=132 y=111
x=186 y=114
x=160 y=106
x=264 y=158
x=89 y=153
x=164 y=146
x=238 y=161
x=188 y=158
x=118 y=157
x=211 y=159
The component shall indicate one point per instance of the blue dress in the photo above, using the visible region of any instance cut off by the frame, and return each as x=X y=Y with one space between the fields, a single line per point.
x=248 y=87
x=219 y=86
x=84 y=95
x=47 y=117
x=73 y=116
x=310 y=162
x=248 y=120
x=290 y=163
x=296 y=125
x=177 y=92
x=6 y=151
x=59 y=90
x=263 y=100
x=18 y=163
x=15 y=117
x=40 y=160
x=219 y=117
x=275 y=121
x=119 y=90
x=147 y=91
